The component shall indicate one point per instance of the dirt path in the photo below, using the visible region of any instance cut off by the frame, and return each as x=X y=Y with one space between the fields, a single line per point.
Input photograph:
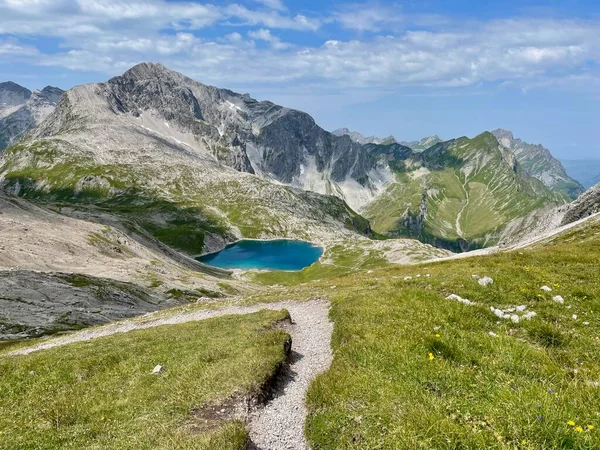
x=280 y=423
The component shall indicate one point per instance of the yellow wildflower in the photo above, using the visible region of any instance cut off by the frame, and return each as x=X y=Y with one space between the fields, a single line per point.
x=571 y=423
x=431 y=357
x=590 y=427
x=579 y=429
x=437 y=336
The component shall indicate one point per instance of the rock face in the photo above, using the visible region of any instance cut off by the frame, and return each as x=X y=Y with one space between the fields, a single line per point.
x=18 y=118
x=11 y=94
x=34 y=304
x=538 y=162
x=587 y=204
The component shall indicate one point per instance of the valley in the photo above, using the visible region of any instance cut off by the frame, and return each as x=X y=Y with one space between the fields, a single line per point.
x=423 y=294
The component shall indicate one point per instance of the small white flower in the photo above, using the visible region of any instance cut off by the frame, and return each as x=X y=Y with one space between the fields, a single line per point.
x=419 y=276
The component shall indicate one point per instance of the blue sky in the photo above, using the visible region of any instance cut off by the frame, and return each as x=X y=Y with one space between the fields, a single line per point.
x=409 y=68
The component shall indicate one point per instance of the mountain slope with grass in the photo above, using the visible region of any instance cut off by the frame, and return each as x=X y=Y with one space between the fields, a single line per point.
x=538 y=162
x=142 y=150
x=459 y=194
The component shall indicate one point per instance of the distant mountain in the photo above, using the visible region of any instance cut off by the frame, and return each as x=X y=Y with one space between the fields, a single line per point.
x=423 y=144
x=359 y=138
x=196 y=167
x=459 y=193
x=538 y=162
x=191 y=165
x=18 y=118
x=586 y=171
x=11 y=94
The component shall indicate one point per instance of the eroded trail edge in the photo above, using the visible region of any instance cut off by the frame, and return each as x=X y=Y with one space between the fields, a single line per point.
x=280 y=423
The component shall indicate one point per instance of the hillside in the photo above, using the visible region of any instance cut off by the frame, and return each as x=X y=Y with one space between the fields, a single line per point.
x=458 y=193
x=538 y=162
x=169 y=165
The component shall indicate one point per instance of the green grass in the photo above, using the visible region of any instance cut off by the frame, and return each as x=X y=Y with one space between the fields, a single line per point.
x=101 y=394
x=516 y=390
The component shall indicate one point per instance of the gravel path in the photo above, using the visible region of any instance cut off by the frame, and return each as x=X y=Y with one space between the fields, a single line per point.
x=280 y=423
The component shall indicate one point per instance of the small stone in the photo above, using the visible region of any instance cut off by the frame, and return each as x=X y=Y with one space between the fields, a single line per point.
x=158 y=369
x=514 y=318
x=492 y=334
x=558 y=299
x=586 y=323
x=574 y=316
x=485 y=281
x=546 y=289
x=407 y=278
x=475 y=277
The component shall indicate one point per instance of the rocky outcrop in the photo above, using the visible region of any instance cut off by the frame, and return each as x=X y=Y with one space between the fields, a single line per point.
x=586 y=205
x=538 y=162
x=34 y=303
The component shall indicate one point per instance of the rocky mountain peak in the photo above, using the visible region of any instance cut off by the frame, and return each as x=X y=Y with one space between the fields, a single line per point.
x=538 y=162
x=12 y=94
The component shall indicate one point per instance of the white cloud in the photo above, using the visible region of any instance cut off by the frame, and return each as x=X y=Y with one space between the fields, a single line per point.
x=265 y=35
x=108 y=36
x=369 y=16
x=273 y=4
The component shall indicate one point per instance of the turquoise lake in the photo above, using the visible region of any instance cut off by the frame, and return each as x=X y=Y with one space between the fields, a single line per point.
x=266 y=255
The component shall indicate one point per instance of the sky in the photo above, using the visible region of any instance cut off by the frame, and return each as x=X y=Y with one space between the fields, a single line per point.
x=409 y=68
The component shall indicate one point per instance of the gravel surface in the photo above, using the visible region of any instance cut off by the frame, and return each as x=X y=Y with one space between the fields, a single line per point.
x=280 y=423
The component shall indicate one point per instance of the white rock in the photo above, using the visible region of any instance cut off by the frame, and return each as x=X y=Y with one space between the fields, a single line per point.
x=521 y=308
x=369 y=271
x=158 y=369
x=485 y=281
x=492 y=334
x=586 y=323
x=515 y=318
x=419 y=276
x=407 y=278
x=475 y=277
x=530 y=315
x=459 y=299
x=428 y=275
x=546 y=289
x=558 y=299
x=574 y=316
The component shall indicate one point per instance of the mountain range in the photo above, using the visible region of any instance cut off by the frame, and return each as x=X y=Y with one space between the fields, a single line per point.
x=198 y=166
x=21 y=110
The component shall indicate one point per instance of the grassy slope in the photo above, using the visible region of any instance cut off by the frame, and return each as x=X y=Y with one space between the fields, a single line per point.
x=101 y=394
x=180 y=214
x=496 y=194
x=516 y=390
